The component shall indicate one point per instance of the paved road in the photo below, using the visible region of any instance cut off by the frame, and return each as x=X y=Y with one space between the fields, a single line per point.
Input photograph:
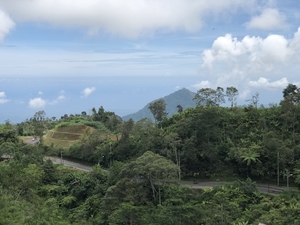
x=76 y=165
x=265 y=188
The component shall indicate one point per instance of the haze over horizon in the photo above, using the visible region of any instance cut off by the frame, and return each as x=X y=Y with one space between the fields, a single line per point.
x=68 y=56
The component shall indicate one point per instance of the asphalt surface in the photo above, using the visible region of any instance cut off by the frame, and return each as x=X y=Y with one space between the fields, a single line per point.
x=76 y=165
x=265 y=188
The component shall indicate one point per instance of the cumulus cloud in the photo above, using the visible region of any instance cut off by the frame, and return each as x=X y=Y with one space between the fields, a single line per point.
x=264 y=83
x=270 y=19
x=202 y=84
x=252 y=53
x=40 y=93
x=3 y=98
x=295 y=42
x=129 y=18
x=233 y=61
x=37 y=103
x=6 y=24
x=86 y=92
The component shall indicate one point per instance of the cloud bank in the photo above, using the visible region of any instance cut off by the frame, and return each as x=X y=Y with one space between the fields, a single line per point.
x=264 y=83
x=127 y=18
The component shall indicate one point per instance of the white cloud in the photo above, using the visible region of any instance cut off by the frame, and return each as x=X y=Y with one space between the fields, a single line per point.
x=86 y=92
x=231 y=61
x=252 y=54
x=129 y=18
x=265 y=84
x=202 y=84
x=60 y=98
x=3 y=98
x=244 y=94
x=270 y=19
x=6 y=24
x=37 y=103
x=295 y=42
x=40 y=93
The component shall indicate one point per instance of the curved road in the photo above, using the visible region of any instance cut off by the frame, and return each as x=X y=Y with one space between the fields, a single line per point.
x=76 y=165
x=265 y=188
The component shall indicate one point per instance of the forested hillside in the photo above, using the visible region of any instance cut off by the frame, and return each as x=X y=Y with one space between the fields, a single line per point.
x=139 y=166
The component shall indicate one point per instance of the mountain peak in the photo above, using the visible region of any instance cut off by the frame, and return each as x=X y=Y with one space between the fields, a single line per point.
x=183 y=97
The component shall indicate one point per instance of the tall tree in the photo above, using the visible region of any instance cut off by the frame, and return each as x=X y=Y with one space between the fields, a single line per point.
x=158 y=109
x=232 y=93
x=291 y=93
x=173 y=142
x=156 y=169
x=210 y=97
x=127 y=128
x=38 y=121
x=254 y=100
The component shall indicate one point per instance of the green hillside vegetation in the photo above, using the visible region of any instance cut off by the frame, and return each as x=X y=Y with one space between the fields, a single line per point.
x=146 y=162
x=182 y=97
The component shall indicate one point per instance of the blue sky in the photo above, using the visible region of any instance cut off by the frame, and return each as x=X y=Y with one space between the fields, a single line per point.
x=68 y=56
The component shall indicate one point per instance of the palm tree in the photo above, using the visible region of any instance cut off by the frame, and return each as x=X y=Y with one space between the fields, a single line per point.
x=250 y=157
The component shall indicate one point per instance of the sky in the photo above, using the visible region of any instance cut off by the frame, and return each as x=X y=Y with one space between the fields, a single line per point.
x=68 y=56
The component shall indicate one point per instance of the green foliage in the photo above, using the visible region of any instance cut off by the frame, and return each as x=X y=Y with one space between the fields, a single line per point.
x=140 y=185
x=156 y=169
x=8 y=133
x=210 y=97
x=158 y=109
x=232 y=94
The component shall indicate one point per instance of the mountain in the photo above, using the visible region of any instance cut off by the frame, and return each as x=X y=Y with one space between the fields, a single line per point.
x=183 y=97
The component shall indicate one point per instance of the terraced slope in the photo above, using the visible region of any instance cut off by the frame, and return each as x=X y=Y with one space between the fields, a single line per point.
x=65 y=136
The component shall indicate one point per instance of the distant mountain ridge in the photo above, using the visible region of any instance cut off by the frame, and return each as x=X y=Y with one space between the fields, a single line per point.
x=183 y=97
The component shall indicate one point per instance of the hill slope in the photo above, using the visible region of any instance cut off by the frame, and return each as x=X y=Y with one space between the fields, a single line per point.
x=183 y=97
x=66 y=136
